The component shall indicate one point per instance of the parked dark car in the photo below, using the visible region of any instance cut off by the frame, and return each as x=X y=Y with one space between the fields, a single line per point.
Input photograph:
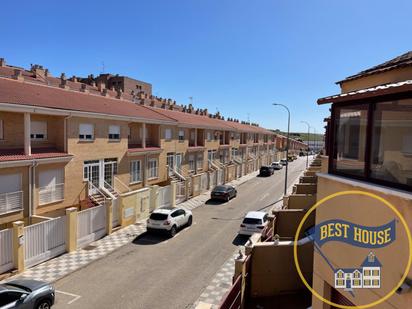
x=223 y=192
x=26 y=294
x=266 y=171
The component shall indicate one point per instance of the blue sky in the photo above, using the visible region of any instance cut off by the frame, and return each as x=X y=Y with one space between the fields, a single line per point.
x=233 y=56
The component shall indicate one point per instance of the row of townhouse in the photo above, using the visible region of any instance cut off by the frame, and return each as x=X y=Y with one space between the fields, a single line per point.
x=63 y=140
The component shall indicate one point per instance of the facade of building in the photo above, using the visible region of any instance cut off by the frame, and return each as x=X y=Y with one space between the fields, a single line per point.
x=369 y=149
x=64 y=141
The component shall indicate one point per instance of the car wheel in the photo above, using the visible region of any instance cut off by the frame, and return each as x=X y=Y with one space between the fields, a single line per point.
x=189 y=221
x=43 y=304
x=173 y=231
x=228 y=198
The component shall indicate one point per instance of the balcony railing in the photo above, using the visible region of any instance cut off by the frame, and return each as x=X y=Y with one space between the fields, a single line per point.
x=11 y=201
x=50 y=194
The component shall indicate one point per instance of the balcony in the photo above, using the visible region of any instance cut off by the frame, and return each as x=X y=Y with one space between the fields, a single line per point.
x=36 y=153
x=51 y=194
x=143 y=138
x=11 y=201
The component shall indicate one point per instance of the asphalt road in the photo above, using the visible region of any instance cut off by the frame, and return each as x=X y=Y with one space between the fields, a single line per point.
x=156 y=272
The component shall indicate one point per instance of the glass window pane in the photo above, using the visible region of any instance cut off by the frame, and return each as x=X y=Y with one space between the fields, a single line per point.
x=391 y=153
x=350 y=139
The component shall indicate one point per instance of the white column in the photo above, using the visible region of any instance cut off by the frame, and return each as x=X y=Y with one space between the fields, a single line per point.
x=195 y=137
x=27 y=130
x=144 y=135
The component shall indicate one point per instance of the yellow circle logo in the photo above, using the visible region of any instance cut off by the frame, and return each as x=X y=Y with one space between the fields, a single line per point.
x=352 y=192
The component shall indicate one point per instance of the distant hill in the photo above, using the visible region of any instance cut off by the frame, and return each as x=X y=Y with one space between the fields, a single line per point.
x=302 y=136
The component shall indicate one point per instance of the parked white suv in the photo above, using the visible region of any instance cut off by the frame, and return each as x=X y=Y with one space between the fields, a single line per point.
x=277 y=165
x=169 y=220
x=254 y=222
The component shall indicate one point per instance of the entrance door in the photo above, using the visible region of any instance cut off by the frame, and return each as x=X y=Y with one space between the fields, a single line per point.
x=170 y=162
x=179 y=159
x=91 y=173
x=110 y=169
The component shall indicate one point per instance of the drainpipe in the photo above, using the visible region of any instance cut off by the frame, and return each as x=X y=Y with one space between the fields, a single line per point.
x=32 y=175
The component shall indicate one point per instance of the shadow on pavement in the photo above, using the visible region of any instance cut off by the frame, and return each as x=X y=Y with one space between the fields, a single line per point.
x=214 y=202
x=240 y=240
x=150 y=238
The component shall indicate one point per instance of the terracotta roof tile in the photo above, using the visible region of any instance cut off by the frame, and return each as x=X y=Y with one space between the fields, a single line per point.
x=15 y=92
x=37 y=153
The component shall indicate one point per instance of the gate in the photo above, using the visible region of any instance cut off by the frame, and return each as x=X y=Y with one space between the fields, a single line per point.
x=165 y=196
x=180 y=192
x=204 y=182
x=220 y=177
x=44 y=241
x=6 y=250
x=212 y=178
x=91 y=225
x=115 y=212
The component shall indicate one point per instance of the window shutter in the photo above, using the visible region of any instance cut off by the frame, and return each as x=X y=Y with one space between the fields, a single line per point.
x=86 y=131
x=50 y=178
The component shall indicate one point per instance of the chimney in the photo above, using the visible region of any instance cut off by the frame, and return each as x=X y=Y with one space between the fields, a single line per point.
x=63 y=81
x=18 y=75
x=119 y=94
x=83 y=88
x=73 y=79
x=205 y=112
x=38 y=71
x=2 y=62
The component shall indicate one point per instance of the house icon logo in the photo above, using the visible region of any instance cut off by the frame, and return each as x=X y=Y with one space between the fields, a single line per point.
x=367 y=276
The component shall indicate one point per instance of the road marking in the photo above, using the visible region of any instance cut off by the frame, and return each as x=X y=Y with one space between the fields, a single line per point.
x=264 y=196
x=75 y=296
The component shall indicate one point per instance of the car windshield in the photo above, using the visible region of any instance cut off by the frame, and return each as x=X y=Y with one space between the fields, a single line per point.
x=264 y=168
x=220 y=189
x=158 y=217
x=252 y=221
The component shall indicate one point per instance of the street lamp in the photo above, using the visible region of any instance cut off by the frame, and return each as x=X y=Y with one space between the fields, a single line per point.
x=287 y=147
x=307 y=150
x=315 y=140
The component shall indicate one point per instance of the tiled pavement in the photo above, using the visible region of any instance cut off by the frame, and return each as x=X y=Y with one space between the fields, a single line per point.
x=220 y=284
x=63 y=265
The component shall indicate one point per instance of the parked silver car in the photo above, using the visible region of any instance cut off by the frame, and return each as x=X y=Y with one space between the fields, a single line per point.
x=26 y=294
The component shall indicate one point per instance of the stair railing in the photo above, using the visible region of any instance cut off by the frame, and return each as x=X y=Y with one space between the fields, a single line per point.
x=122 y=183
x=92 y=187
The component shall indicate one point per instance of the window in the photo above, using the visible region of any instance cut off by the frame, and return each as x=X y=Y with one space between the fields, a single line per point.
x=366 y=272
x=192 y=166
x=373 y=141
x=114 y=132
x=375 y=272
x=152 y=168
x=181 y=135
x=7 y=298
x=11 y=196
x=340 y=282
x=356 y=282
x=391 y=148
x=199 y=163
x=38 y=130
x=209 y=136
x=86 y=131
x=367 y=282
x=135 y=171
x=1 y=129
x=375 y=282
x=51 y=186
x=340 y=274
x=168 y=134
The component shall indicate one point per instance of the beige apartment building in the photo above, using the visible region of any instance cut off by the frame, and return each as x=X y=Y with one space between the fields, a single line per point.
x=70 y=142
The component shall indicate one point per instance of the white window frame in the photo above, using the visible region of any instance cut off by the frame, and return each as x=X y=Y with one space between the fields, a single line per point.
x=168 y=134
x=85 y=138
x=209 y=136
x=199 y=161
x=181 y=135
x=38 y=128
x=114 y=132
x=135 y=171
x=152 y=169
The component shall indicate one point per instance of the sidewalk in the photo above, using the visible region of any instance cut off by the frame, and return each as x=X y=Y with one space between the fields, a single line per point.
x=61 y=266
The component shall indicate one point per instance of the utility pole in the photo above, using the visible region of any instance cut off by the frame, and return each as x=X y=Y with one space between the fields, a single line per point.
x=307 y=150
x=287 y=147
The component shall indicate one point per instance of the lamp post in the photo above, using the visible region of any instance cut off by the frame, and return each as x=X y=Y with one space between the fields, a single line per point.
x=287 y=147
x=315 y=140
x=307 y=150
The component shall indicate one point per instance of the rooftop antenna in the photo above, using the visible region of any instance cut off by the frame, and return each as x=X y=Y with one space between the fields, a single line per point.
x=191 y=100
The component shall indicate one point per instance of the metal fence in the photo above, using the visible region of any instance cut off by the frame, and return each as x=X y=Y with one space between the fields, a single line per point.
x=6 y=250
x=204 y=182
x=180 y=192
x=91 y=225
x=165 y=196
x=220 y=177
x=44 y=240
x=115 y=212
